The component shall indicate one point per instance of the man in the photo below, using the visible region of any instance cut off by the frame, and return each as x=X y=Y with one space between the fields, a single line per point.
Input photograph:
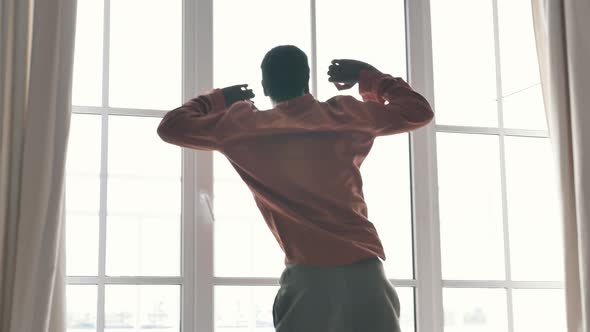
x=301 y=161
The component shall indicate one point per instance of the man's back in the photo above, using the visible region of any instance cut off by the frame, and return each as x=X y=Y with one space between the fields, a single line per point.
x=308 y=187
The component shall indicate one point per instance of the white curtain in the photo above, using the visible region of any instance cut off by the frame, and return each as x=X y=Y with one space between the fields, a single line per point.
x=562 y=31
x=36 y=60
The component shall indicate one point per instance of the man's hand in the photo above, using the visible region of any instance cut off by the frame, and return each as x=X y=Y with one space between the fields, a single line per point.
x=236 y=93
x=344 y=73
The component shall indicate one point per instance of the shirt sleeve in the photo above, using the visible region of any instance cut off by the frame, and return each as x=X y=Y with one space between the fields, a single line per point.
x=195 y=124
x=390 y=105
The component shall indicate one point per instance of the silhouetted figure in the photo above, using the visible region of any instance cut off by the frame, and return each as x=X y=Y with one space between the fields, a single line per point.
x=301 y=161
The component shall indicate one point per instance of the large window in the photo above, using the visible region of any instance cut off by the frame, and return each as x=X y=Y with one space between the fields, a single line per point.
x=123 y=186
x=167 y=239
x=501 y=254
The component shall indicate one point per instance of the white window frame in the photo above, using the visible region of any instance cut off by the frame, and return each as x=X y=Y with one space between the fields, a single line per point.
x=427 y=223
x=186 y=278
x=197 y=280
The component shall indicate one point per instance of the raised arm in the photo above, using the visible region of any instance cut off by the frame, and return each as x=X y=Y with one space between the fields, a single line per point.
x=405 y=110
x=197 y=123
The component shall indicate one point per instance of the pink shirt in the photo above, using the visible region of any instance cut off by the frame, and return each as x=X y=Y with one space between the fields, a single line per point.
x=301 y=160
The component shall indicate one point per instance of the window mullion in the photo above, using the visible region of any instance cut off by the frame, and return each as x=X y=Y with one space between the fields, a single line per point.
x=314 y=50
x=106 y=53
x=202 y=15
x=500 y=104
x=102 y=223
x=188 y=291
x=103 y=169
x=102 y=229
x=427 y=249
x=427 y=256
x=492 y=131
x=203 y=249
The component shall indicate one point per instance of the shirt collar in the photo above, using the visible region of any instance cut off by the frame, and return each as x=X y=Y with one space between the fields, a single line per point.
x=296 y=102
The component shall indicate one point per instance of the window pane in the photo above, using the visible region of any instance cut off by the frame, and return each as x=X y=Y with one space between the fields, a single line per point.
x=406 y=318
x=539 y=310
x=83 y=165
x=244 y=308
x=145 y=54
x=239 y=224
x=470 y=206
x=83 y=155
x=372 y=31
x=525 y=109
x=464 y=64
x=143 y=196
x=475 y=310
x=136 y=149
x=144 y=200
x=521 y=83
x=81 y=308
x=83 y=195
x=87 y=84
x=143 y=246
x=533 y=217
x=259 y=253
x=387 y=191
x=240 y=45
x=82 y=246
x=142 y=308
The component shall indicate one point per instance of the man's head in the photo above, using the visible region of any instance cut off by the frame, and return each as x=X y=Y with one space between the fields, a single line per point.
x=285 y=73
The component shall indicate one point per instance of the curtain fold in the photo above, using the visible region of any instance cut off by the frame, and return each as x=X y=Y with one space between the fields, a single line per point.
x=36 y=63
x=562 y=32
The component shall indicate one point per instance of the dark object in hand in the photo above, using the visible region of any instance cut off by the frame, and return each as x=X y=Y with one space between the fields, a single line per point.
x=344 y=73
x=236 y=93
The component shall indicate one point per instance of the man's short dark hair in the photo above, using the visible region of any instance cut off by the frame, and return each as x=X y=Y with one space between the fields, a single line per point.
x=285 y=71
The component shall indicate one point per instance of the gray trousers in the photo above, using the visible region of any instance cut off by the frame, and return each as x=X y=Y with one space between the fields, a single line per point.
x=346 y=298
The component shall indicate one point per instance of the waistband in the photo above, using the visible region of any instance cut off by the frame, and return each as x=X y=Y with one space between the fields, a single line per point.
x=360 y=262
x=368 y=268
